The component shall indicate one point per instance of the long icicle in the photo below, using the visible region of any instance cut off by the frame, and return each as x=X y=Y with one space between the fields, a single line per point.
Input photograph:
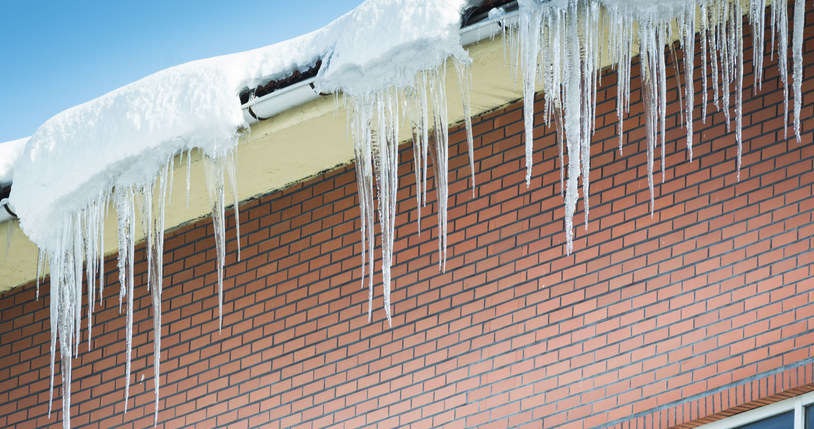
x=797 y=57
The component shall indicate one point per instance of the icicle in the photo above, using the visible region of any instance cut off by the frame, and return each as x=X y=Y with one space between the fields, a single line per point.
x=171 y=166
x=757 y=11
x=797 y=55
x=90 y=269
x=573 y=110
x=79 y=249
x=590 y=61
x=529 y=48
x=688 y=22
x=214 y=184
x=359 y=121
x=560 y=145
x=218 y=171
x=65 y=317
x=441 y=162
x=54 y=313
x=189 y=171
x=647 y=97
x=738 y=18
x=704 y=53
x=125 y=206
x=373 y=124
x=76 y=286
x=662 y=87
x=621 y=53
x=385 y=166
x=465 y=87
x=157 y=250
x=727 y=49
x=103 y=210
x=231 y=175
x=40 y=262
x=780 y=21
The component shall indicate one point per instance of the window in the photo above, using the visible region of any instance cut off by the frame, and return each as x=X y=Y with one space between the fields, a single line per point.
x=810 y=417
x=779 y=421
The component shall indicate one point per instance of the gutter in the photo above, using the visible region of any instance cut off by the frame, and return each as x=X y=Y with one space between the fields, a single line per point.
x=289 y=97
x=299 y=93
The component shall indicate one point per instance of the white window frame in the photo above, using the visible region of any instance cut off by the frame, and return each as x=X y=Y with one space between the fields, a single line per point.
x=798 y=404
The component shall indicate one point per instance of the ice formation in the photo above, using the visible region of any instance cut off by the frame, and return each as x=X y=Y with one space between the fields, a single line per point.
x=555 y=46
x=126 y=142
x=401 y=71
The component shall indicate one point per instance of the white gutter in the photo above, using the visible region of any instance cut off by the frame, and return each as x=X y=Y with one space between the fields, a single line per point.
x=302 y=92
x=279 y=101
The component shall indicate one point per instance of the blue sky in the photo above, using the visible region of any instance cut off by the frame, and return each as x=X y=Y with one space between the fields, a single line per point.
x=58 y=54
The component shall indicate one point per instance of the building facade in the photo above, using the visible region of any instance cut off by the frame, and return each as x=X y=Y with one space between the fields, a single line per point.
x=701 y=310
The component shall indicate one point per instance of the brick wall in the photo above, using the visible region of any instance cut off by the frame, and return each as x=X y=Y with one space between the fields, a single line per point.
x=703 y=309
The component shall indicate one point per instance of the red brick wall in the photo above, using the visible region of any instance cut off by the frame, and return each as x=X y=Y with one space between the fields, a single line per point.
x=706 y=306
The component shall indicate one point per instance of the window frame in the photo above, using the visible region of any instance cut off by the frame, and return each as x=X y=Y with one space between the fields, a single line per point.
x=797 y=403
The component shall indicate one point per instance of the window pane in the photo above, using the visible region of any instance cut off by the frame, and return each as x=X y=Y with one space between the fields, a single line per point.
x=780 y=421
x=809 y=417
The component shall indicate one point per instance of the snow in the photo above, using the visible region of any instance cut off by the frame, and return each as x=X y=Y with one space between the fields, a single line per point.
x=10 y=152
x=400 y=39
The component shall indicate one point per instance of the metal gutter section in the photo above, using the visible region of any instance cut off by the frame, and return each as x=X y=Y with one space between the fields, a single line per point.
x=279 y=101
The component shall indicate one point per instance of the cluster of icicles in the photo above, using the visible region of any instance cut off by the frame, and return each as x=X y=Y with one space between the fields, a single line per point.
x=81 y=239
x=374 y=126
x=555 y=45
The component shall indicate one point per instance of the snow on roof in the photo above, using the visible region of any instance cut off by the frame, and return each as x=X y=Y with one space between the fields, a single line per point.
x=9 y=154
x=388 y=46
